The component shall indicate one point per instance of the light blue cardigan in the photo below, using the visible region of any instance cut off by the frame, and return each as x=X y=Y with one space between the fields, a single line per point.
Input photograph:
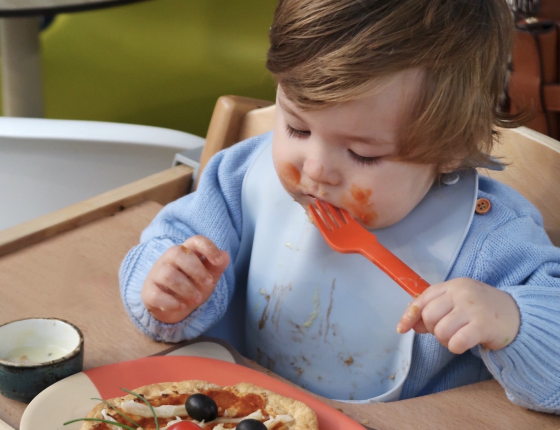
x=506 y=248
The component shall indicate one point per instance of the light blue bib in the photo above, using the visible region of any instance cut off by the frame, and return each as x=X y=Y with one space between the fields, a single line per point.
x=327 y=321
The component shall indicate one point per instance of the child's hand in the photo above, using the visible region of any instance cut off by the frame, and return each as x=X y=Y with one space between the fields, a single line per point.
x=462 y=313
x=183 y=278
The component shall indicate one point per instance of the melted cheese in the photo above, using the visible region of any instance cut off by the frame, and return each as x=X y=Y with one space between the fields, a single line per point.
x=170 y=411
x=108 y=417
x=142 y=410
x=225 y=420
x=286 y=419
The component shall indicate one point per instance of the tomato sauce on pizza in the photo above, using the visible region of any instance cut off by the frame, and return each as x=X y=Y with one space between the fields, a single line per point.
x=170 y=402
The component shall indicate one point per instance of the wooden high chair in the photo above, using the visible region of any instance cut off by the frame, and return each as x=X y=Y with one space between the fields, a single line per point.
x=65 y=265
x=533 y=169
x=533 y=159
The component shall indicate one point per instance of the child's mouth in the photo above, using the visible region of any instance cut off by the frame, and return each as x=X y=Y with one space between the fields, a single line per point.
x=315 y=200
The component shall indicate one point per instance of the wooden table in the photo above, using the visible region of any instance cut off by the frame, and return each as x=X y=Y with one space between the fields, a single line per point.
x=22 y=91
x=73 y=275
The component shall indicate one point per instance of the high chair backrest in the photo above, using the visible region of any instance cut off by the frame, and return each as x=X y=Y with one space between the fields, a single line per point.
x=533 y=169
x=533 y=159
x=235 y=119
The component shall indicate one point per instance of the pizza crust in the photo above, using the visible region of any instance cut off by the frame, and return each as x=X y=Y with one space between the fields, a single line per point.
x=304 y=416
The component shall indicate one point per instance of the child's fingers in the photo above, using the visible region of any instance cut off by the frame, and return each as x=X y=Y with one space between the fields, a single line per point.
x=413 y=313
x=419 y=327
x=465 y=338
x=159 y=300
x=216 y=270
x=171 y=280
x=449 y=325
x=204 y=247
x=411 y=316
x=193 y=269
x=162 y=306
x=435 y=310
x=183 y=278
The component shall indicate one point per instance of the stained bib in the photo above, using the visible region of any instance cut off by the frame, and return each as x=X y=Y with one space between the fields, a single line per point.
x=324 y=320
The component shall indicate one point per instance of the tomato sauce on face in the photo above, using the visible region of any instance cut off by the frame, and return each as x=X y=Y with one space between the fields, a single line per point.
x=360 y=195
x=289 y=175
x=358 y=204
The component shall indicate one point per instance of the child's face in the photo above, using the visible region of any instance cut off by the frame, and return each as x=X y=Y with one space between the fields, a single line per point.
x=345 y=154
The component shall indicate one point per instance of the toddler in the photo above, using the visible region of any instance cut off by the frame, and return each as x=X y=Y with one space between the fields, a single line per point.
x=384 y=108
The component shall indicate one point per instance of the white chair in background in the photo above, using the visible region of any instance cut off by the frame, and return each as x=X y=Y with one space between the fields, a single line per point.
x=48 y=166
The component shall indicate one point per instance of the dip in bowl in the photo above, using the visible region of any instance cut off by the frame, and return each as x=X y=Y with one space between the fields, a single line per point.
x=35 y=353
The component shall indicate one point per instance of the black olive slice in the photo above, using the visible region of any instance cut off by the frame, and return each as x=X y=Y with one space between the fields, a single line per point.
x=201 y=407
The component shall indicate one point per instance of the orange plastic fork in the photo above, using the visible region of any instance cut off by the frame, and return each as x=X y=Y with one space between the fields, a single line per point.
x=344 y=234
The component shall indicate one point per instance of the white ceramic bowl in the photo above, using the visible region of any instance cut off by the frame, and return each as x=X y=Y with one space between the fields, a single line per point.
x=37 y=352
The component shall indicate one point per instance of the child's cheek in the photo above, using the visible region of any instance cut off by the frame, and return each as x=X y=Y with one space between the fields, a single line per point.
x=289 y=175
x=357 y=202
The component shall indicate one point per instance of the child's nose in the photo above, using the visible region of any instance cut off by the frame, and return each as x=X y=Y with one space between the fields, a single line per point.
x=320 y=171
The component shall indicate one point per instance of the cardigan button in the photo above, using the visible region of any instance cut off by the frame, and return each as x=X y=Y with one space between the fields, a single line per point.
x=482 y=206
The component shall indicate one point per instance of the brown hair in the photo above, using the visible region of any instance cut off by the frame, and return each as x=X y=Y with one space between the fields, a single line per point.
x=329 y=51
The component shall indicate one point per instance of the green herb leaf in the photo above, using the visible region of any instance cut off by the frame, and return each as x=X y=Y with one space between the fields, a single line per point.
x=145 y=401
x=118 y=412
x=124 y=426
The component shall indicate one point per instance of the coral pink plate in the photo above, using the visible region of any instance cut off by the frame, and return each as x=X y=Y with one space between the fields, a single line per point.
x=70 y=398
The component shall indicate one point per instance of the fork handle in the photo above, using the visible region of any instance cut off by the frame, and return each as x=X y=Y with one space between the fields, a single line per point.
x=399 y=272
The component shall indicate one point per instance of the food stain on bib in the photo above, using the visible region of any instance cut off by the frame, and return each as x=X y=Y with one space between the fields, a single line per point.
x=289 y=175
x=273 y=306
x=359 y=206
x=264 y=316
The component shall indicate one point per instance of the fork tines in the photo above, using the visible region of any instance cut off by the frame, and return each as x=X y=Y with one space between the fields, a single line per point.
x=329 y=217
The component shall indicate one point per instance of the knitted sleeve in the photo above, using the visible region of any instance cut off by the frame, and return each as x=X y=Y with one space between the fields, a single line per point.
x=518 y=258
x=214 y=211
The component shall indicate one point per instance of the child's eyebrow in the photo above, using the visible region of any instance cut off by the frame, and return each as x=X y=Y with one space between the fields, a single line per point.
x=362 y=139
x=374 y=140
x=370 y=140
x=288 y=109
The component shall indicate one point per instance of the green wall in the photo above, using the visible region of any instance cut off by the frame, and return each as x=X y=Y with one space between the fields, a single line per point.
x=159 y=62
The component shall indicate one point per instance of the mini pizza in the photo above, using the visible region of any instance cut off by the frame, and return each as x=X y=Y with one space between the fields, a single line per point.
x=199 y=404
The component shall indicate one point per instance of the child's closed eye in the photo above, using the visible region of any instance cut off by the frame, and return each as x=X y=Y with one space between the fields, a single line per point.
x=299 y=134
x=364 y=160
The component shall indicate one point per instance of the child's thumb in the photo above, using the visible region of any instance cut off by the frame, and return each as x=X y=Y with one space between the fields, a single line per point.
x=219 y=266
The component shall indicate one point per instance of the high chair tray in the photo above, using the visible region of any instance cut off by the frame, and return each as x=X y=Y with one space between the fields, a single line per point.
x=73 y=275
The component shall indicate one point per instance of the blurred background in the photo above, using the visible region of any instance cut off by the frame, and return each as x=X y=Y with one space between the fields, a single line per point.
x=157 y=62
